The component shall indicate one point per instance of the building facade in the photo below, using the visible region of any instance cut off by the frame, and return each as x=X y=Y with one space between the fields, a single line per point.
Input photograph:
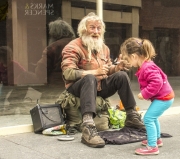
x=24 y=36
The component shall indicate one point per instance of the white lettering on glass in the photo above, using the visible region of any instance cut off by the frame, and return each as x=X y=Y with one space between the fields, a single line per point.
x=39 y=9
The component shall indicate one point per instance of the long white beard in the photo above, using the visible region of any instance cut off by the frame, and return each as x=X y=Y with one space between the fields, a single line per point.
x=92 y=44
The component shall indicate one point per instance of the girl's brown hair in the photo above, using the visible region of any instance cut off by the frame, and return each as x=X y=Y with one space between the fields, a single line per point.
x=142 y=47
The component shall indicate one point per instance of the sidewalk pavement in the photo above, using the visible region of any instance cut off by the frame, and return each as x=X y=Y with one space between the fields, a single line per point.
x=38 y=146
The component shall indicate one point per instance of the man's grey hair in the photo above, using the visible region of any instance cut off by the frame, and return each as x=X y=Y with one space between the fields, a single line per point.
x=90 y=17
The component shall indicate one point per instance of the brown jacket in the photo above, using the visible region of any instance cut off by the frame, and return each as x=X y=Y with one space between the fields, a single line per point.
x=75 y=61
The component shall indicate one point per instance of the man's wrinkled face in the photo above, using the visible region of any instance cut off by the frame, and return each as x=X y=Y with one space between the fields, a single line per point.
x=94 y=29
x=93 y=37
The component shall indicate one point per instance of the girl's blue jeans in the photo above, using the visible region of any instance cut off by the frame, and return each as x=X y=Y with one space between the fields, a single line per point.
x=151 y=121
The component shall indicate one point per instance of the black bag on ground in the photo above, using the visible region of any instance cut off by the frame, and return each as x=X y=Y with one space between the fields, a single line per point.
x=46 y=116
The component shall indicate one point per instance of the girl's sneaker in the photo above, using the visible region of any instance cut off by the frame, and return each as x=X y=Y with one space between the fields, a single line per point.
x=147 y=151
x=159 y=142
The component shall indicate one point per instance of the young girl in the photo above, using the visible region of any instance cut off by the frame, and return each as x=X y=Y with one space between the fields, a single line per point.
x=154 y=86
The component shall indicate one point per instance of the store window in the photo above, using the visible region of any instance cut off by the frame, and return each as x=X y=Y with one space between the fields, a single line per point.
x=23 y=39
x=166 y=44
x=24 y=36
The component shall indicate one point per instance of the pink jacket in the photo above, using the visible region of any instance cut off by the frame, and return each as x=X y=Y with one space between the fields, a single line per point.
x=153 y=81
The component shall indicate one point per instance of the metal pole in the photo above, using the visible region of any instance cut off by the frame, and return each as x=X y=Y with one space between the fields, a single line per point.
x=99 y=8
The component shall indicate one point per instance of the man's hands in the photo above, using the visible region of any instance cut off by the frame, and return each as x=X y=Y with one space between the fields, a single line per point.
x=122 y=64
x=103 y=70
x=100 y=72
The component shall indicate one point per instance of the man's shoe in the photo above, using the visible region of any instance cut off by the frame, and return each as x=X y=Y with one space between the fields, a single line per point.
x=133 y=119
x=90 y=136
x=147 y=151
x=159 y=142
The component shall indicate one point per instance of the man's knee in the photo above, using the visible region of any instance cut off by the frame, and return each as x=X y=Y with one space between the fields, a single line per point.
x=122 y=75
x=90 y=78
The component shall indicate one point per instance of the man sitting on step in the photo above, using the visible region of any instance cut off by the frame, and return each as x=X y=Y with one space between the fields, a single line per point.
x=88 y=72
